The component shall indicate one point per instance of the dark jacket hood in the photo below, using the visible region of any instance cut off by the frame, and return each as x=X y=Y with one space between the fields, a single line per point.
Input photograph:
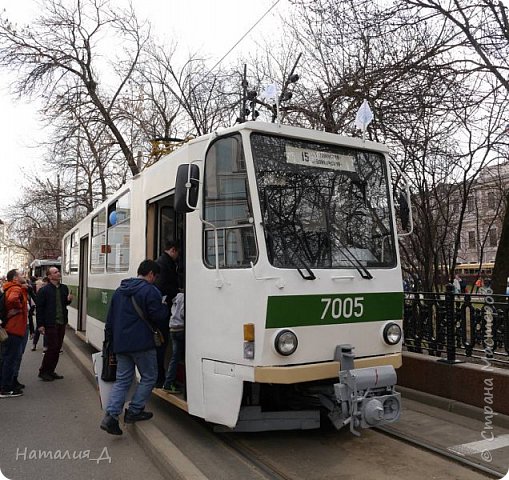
x=130 y=286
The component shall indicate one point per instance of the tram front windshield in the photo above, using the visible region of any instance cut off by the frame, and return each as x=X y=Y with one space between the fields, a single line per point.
x=323 y=206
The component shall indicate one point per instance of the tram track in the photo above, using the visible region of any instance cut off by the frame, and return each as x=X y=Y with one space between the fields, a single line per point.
x=272 y=471
x=266 y=468
x=443 y=452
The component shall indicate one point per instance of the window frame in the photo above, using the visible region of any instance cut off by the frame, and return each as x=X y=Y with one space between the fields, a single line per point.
x=242 y=169
x=113 y=207
x=93 y=268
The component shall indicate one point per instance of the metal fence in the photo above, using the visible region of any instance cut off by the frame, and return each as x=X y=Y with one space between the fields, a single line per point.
x=474 y=326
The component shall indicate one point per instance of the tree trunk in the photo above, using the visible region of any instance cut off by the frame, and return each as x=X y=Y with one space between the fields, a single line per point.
x=501 y=269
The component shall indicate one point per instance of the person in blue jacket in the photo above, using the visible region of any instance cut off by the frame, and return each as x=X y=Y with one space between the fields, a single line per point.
x=133 y=343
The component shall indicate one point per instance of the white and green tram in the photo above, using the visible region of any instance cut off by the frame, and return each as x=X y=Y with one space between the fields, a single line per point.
x=293 y=290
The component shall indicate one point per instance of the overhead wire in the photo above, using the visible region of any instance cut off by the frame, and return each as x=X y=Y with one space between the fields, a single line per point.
x=244 y=36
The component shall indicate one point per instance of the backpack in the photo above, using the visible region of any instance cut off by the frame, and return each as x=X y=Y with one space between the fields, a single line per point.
x=3 y=311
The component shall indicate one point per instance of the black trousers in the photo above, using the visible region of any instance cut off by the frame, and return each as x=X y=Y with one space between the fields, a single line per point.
x=161 y=355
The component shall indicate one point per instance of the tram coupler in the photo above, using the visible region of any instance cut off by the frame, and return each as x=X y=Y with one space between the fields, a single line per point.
x=364 y=397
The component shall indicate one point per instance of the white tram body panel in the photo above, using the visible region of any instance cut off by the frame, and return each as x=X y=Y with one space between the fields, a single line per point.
x=338 y=307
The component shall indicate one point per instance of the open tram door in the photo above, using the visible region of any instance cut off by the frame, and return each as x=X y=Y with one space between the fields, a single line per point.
x=82 y=288
x=164 y=223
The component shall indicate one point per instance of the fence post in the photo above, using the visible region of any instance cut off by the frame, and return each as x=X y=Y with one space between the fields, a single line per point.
x=450 y=325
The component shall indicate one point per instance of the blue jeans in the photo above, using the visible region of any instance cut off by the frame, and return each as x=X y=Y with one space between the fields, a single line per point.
x=146 y=362
x=178 y=344
x=21 y=352
x=10 y=353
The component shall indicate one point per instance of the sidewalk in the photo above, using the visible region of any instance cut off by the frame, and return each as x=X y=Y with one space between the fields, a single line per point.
x=53 y=430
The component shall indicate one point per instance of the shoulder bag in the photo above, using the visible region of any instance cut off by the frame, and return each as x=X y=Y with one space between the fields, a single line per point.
x=158 y=336
x=109 y=370
x=3 y=335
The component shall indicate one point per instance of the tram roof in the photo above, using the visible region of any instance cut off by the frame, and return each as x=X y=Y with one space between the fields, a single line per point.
x=41 y=262
x=253 y=126
x=297 y=132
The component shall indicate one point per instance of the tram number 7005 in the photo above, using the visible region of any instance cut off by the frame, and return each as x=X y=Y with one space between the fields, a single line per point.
x=342 y=307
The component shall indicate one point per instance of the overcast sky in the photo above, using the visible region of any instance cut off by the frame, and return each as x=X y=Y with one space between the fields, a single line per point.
x=211 y=26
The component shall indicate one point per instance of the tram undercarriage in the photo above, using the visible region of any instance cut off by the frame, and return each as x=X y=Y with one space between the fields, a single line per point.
x=362 y=398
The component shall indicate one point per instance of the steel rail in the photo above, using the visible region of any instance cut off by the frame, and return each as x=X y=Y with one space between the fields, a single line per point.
x=441 y=451
x=267 y=469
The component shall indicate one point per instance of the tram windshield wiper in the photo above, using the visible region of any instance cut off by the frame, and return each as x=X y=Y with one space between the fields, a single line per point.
x=363 y=271
x=310 y=275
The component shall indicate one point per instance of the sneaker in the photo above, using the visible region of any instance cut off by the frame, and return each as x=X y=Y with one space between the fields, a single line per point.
x=110 y=425
x=46 y=377
x=171 y=389
x=137 y=417
x=17 y=385
x=10 y=393
x=56 y=376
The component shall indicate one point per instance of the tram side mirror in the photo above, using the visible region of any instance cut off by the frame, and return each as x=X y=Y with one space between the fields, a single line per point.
x=404 y=212
x=186 y=188
x=401 y=194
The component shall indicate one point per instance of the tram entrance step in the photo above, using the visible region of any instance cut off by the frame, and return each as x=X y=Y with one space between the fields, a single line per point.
x=252 y=419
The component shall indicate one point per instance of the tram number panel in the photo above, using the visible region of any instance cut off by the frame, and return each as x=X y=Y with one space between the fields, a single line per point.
x=342 y=308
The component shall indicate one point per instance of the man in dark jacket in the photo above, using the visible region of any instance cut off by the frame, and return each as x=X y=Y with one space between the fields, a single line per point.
x=51 y=315
x=133 y=344
x=168 y=283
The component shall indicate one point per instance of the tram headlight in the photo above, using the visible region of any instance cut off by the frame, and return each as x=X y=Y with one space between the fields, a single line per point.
x=392 y=333
x=286 y=342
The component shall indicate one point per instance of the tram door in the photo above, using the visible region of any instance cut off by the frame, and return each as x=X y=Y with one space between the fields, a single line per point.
x=83 y=284
x=163 y=224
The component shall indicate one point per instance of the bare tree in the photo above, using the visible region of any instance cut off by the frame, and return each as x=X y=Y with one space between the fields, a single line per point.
x=64 y=46
x=188 y=99
x=483 y=38
x=41 y=216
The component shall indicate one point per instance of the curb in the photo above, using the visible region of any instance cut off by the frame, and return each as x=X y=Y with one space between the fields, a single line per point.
x=168 y=458
x=453 y=406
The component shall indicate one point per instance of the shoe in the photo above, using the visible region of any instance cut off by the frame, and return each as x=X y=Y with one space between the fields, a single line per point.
x=110 y=425
x=17 y=385
x=132 y=417
x=10 y=393
x=46 y=377
x=159 y=385
x=171 y=389
x=56 y=376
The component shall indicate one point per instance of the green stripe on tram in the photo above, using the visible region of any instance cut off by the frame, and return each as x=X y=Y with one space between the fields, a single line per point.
x=98 y=302
x=309 y=310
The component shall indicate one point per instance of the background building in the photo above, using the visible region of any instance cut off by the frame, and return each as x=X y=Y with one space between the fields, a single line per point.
x=11 y=256
x=484 y=214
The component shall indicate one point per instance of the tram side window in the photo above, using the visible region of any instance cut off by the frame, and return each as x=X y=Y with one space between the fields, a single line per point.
x=75 y=252
x=67 y=255
x=166 y=226
x=227 y=206
x=119 y=216
x=99 y=247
